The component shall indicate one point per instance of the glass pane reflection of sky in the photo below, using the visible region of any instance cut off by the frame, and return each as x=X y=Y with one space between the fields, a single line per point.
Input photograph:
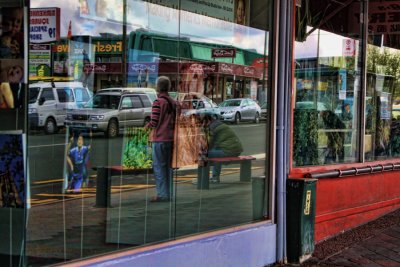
x=155 y=18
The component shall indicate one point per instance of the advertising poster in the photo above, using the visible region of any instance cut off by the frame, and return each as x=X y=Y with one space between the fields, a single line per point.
x=189 y=142
x=380 y=80
x=342 y=84
x=12 y=175
x=39 y=60
x=384 y=106
x=137 y=149
x=102 y=9
x=77 y=162
x=12 y=87
x=11 y=32
x=81 y=53
x=253 y=90
x=11 y=57
x=44 y=25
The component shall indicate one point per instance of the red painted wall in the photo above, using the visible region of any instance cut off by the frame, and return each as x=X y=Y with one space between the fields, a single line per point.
x=345 y=203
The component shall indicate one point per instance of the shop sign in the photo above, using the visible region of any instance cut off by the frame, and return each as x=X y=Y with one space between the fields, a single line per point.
x=198 y=67
x=248 y=71
x=44 y=25
x=260 y=62
x=39 y=55
x=384 y=17
x=226 y=68
x=136 y=67
x=99 y=47
x=105 y=68
x=223 y=53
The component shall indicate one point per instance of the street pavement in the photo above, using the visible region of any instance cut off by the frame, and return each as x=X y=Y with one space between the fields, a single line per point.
x=375 y=244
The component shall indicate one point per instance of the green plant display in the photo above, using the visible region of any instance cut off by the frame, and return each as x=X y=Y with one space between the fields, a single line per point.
x=305 y=137
x=137 y=149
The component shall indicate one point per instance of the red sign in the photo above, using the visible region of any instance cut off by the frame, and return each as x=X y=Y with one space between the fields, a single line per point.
x=223 y=52
x=349 y=47
x=260 y=62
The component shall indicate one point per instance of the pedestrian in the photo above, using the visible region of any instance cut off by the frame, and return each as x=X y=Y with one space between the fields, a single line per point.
x=222 y=142
x=139 y=79
x=163 y=116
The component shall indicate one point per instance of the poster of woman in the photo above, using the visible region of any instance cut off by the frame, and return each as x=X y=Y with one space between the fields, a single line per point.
x=240 y=12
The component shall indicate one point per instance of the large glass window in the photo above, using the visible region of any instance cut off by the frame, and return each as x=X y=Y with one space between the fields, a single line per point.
x=382 y=103
x=327 y=82
x=95 y=167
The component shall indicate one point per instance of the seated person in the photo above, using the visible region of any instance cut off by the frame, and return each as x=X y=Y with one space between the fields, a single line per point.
x=222 y=142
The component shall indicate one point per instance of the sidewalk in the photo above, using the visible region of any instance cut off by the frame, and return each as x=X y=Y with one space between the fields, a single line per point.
x=374 y=244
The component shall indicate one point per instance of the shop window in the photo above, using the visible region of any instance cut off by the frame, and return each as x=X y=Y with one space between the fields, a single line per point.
x=327 y=83
x=382 y=103
x=210 y=54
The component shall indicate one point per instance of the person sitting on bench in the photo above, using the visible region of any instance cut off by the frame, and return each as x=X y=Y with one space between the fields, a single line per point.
x=222 y=142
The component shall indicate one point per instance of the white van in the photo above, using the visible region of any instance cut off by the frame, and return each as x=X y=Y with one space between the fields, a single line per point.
x=49 y=102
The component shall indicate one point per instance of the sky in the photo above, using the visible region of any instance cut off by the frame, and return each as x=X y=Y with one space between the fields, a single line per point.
x=156 y=18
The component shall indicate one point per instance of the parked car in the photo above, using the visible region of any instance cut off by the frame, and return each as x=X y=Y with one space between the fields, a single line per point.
x=152 y=93
x=263 y=107
x=49 y=102
x=195 y=104
x=240 y=109
x=110 y=112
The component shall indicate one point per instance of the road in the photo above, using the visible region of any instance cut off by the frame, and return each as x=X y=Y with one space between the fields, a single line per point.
x=47 y=153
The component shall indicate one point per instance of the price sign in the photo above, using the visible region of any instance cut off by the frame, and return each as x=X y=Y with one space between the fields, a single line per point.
x=44 y=25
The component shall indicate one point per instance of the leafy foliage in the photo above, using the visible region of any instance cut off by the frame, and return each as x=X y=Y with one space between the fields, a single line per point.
x=305 y=150
x=137 y=152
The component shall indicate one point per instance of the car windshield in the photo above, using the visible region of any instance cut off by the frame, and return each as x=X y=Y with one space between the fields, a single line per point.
x=104 y=101
x=230 y=103
x=33 y=94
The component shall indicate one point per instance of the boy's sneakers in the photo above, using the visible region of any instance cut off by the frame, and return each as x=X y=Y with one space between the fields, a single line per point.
x=212 y=181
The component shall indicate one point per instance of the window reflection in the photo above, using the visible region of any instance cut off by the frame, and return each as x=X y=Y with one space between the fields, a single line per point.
x=111 y=66
x=327 y=84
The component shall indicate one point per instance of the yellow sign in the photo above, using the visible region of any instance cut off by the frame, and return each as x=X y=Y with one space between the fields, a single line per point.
x=308 y=203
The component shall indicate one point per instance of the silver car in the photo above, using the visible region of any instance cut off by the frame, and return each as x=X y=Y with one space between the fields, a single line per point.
x=196 y=105
x=240 y=109
x=109 y=112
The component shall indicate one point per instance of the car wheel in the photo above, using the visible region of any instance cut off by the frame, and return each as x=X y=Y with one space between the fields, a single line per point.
x=237 y=118
x=257 y=118
x=112 y=129
x=50 y=127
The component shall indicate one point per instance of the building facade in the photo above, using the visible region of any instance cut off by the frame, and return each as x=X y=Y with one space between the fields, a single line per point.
x=308 y=89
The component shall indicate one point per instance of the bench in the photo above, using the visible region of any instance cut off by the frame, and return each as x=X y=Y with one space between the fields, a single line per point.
x=203 y=172
x=103 y=181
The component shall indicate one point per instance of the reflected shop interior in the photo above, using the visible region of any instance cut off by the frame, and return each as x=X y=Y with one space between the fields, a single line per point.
x=337 y=61
x=92 y=72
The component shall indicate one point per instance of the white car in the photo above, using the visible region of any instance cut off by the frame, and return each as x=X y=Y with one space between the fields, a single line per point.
x=49 y=102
